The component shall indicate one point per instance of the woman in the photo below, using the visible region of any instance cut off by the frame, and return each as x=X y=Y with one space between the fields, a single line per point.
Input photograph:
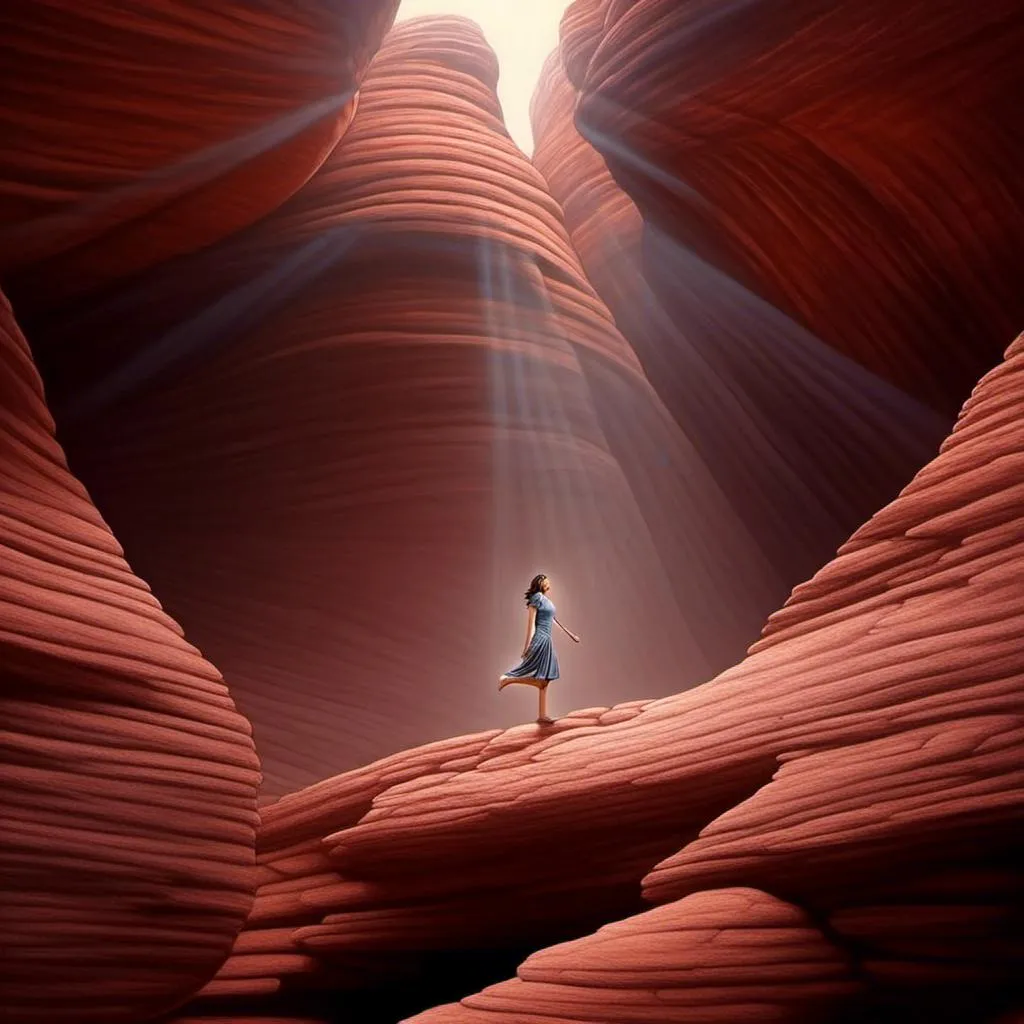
x=540 y=663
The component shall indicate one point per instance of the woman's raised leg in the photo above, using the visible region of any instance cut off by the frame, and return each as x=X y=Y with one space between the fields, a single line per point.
x=542 y=716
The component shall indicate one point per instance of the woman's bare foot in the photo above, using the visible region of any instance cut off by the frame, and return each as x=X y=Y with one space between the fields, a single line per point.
x=503 y=682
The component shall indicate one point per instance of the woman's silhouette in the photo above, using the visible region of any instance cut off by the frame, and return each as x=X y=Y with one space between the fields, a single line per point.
x=540 y=663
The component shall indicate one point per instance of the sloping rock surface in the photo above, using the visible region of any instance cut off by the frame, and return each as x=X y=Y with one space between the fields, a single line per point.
x=804 y=442
x=712 y=958
x=863 y=764
x=127 y=778
x=847 y=161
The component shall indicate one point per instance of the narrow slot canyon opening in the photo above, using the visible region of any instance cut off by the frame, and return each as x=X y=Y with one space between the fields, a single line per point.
x=355 y=318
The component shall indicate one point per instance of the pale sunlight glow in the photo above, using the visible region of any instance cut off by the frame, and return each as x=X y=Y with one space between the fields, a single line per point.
x=522 y=33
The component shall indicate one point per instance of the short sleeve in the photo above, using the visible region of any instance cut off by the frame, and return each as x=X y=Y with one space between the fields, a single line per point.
x=535 y=600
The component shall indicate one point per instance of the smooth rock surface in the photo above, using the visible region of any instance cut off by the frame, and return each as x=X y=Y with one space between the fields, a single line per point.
x=127 y=778
x=863 y=762
x=135 y=132
x=316 y=435
x=804 y=442
x=850 y=162
x=300 y=887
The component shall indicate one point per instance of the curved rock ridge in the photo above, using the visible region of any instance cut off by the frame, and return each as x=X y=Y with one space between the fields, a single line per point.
x=581 y=31
x=837 y=159
x=864 y=762
x=712 y=958
x=300 y=887
x=792 y=431
x=319 y=438
x=890 y=800
x=134 y=133
x=127 y=778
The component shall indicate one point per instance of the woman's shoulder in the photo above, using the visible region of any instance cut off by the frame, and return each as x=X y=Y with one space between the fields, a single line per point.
x=536 y=600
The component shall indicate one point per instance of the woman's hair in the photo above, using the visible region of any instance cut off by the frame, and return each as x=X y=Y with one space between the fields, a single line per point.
x=535 y=585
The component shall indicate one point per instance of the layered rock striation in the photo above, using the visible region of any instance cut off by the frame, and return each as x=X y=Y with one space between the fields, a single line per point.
x=340 y=442
x=134 y=133
x=848 y=162
x=862 y=764
x=326 y=363
x=711 y=958
x=289 y=943
x=127 y=777
x=804 y=442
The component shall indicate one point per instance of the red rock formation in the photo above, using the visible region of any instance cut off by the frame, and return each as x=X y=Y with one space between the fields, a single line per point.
x=848 y=161
x=863 y=763
x=320 y=433
x=712 y=958
x=339 y=443
x=127 y=778
x=134 y=133
x=300 y=887
x=793 y=432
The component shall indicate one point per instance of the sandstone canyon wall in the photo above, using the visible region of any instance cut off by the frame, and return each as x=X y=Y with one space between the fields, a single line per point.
x=130 y=134
x=832 y=828
x=338 y=442
x=849 y=162
x=133 y=133
x=470 y=415
x=127 y=778
x=354 y=431
x=330 y=359
x=803 y=441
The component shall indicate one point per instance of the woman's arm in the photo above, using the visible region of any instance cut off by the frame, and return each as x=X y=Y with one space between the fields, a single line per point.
x=531 y=620
x=572 y=636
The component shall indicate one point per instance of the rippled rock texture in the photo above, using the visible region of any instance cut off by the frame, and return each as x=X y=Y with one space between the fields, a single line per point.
x=326 y=363
x=848 y=162
x=339 y=443
x=804 y=442
x=714 y=957
x=862 y=764
x=291 y=924
x=133 y=133
x=127 y=778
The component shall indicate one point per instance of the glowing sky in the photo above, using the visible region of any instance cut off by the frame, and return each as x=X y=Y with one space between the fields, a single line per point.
x=521 y=32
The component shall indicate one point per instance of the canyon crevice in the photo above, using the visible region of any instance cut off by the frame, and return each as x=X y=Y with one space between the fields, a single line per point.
x=294 y=320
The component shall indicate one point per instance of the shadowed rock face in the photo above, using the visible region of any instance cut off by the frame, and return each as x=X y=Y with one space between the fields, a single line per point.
x=133 y=133
x=127 y=778
x=340 y=443
x=805 y=443
x=716 y=957
x=863 y=763
x=848 y=162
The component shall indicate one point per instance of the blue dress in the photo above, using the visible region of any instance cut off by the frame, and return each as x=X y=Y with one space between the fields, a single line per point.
x=540 y=661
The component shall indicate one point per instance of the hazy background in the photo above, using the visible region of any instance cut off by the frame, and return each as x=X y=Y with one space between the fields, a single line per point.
x=521 y=32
